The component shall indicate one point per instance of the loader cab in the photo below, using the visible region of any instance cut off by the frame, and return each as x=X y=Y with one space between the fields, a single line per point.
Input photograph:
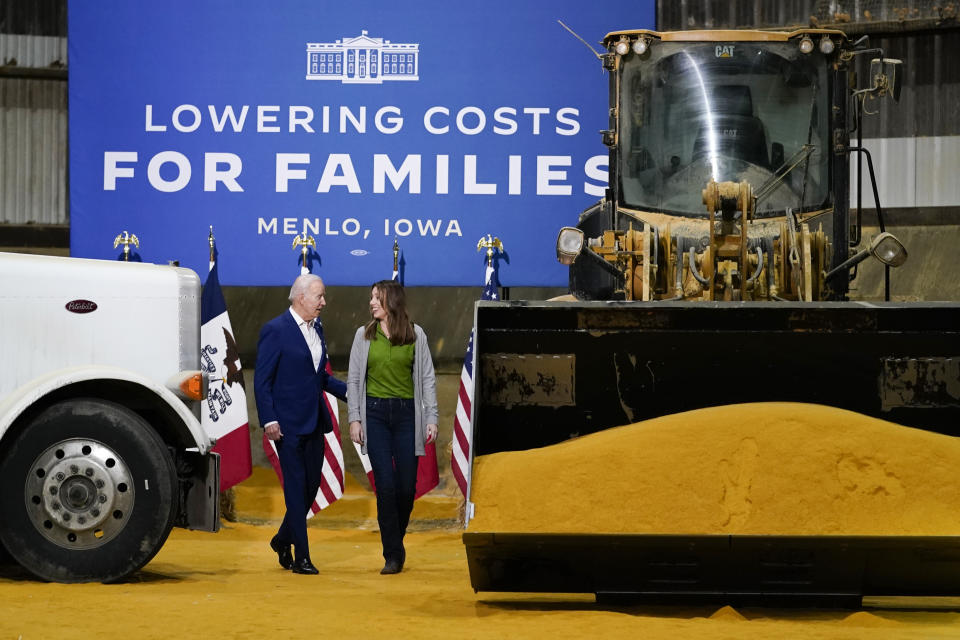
x=729 y=168
x=735 y=130
x=754 y=111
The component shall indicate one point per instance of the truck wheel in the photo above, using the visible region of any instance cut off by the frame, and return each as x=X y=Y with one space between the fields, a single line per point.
x=87 y=493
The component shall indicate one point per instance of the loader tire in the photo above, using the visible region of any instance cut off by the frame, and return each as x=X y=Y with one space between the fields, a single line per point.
x=87 y=492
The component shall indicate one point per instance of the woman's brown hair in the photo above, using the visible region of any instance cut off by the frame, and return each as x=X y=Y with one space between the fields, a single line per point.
x=393 y=300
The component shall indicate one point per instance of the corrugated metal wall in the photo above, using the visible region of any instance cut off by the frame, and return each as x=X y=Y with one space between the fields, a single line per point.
x=33 y=153
x=677 y=15
x=916 y=142
x=33 y=112
x=855 y=16
x=928 y=45
x=34 y=17
x=930 y=102
x=33 y=51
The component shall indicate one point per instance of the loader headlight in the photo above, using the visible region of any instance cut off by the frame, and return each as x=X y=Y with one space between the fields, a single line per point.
x=888 y=249
x=885 y=247
x=806 y=45
x=569 y=245
x=622 y=47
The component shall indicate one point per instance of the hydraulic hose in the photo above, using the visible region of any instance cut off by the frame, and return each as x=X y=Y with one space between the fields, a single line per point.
x=693 y=268
x=768 y=245
x=756 y=274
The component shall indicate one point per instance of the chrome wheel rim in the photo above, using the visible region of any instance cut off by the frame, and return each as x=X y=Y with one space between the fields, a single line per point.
x=79 y=493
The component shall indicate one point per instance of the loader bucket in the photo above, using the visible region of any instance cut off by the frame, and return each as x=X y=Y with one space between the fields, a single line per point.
x=770 y=570
x=549 y=371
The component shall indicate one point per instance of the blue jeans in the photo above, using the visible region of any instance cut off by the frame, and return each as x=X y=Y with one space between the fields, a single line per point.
x=390 y=446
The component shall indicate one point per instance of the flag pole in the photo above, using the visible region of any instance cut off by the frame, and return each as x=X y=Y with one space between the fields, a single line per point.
x=462 y=453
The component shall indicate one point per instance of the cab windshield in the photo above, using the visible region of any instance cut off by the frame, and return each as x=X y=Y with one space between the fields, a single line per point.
x=754 y=112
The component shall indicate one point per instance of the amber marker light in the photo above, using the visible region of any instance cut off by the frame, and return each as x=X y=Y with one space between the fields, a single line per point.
x=192 y=387
x=189 y=385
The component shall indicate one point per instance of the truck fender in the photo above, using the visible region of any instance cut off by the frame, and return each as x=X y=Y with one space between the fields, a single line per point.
x=22 y=398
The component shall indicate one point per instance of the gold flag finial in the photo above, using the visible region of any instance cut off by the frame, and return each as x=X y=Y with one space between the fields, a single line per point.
x=126 y=239
x=212 y=243
x=305 y=242
x=489 y=243
x=396 y=252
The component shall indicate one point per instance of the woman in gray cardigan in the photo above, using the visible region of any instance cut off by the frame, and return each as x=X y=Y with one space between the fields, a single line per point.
x=392 y=408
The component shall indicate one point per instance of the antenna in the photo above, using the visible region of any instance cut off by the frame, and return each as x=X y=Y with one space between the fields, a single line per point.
x=586 y=44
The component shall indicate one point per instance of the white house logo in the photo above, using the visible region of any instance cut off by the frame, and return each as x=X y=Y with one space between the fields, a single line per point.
x=363 y=60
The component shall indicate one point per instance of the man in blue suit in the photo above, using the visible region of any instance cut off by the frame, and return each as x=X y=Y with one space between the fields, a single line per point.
x=289 y=382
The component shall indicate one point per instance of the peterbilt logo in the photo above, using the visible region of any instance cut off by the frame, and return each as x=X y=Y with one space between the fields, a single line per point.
x=81 y=306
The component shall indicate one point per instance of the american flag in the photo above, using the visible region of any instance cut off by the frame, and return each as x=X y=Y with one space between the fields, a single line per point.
x=462 y=428
x=331 y=480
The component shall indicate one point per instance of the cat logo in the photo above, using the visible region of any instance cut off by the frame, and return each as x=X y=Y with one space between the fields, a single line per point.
x=724 y=50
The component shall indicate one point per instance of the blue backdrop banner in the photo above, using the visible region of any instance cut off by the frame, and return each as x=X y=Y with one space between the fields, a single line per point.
x=429 y=122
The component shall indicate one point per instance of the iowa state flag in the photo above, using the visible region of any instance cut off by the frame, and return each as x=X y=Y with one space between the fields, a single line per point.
x=224 y=416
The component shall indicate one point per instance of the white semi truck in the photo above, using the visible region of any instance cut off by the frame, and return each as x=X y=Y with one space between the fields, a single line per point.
x=101 y=449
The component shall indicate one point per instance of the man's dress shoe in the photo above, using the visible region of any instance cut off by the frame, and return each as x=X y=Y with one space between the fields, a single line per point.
x=304 y=566
x=284 y=557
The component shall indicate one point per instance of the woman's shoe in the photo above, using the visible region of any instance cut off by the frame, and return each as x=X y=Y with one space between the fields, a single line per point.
x=391 y=566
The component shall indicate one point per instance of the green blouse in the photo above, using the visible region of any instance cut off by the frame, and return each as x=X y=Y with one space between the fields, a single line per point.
x=389 y=368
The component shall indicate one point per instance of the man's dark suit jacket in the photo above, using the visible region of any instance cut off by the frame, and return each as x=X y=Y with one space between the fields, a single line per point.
x=287 y=387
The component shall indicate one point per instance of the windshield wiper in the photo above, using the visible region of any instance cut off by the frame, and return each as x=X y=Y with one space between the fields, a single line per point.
x=792 y=163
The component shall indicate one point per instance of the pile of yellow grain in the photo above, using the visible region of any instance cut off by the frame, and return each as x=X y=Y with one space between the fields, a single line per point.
x=766 y=468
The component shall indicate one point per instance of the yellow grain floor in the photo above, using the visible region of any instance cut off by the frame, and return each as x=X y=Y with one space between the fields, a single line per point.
x=228 y=585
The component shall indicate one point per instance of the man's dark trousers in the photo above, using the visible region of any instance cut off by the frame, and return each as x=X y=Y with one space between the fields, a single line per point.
x=301 y=461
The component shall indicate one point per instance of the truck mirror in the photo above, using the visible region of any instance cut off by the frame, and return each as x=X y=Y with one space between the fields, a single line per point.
x=887 y=77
